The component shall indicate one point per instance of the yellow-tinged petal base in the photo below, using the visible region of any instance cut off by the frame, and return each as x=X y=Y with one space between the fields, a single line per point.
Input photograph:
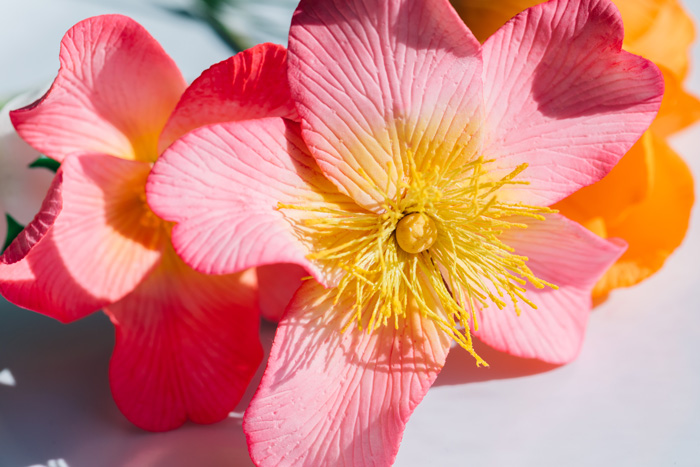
x=436 y=241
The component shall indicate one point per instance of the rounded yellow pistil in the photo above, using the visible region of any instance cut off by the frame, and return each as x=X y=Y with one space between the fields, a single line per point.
x=416 y=232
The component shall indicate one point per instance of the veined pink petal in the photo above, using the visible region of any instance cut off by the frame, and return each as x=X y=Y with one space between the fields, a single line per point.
x=375 y=79
x=222 y=184
x=277 y=284
x=187 y=346
x=565 y=254
x=561 y=96
x=340 y=399
x=115 y=90
x=106 y=235
x=251 y=84
x=32 y=273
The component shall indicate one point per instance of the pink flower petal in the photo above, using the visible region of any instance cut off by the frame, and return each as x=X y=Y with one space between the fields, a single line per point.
x=187 y=347
x=222 y=185
x=107 y=237
x=251 y=84
x=32 y=272
x=561 y=96
x=568 y=256
x=277 y=283
x=374 y=79
x=341 y=399
x=113 y=94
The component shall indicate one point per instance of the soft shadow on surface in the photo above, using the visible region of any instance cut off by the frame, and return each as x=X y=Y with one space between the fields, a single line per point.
x=460 y=367
x=62 y=408
x=61 y=383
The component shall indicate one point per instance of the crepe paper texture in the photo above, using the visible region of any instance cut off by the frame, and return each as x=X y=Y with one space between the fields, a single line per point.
x=652 y=185
x=415 y=188
x=187 y=344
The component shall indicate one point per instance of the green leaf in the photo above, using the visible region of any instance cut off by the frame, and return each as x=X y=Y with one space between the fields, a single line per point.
x=47 y=163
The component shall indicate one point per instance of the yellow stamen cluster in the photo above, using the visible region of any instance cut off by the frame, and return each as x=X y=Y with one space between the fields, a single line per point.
x=434 y=248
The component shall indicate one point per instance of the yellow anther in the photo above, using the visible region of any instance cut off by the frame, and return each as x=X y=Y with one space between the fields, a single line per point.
x=416 y=232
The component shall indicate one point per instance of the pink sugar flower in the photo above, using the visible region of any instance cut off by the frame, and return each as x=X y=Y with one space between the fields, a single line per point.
x=187 y=344
x=415 y=192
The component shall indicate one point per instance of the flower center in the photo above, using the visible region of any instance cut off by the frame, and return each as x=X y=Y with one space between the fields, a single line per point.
x=435 y=249
x=416 y=232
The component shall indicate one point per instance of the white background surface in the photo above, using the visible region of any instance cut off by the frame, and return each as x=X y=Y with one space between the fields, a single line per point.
x=631 y=399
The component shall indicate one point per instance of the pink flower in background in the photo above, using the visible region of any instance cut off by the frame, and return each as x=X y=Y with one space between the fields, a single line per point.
x=187 y=344
x=415 y=191
x=21 y=187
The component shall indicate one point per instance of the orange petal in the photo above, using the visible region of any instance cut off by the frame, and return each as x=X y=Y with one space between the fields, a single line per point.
x=659 y=30
x=609 y=200
x=484 y=17
x=653 y=227
x=679 y=109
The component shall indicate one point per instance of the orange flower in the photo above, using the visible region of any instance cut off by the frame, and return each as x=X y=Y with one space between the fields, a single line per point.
x=646 y=199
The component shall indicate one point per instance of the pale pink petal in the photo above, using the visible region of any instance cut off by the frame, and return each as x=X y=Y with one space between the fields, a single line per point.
x=32 y=273
x=340 y=399
x=222 y=184
x=187 y=346
x=251 y=84
x=106 y=235
x=115 y=90
x=565 y=254
x=277 y=283
x=562 y=97
x=377 y=79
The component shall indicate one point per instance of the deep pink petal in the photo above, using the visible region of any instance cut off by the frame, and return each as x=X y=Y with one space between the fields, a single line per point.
x=340 y=399
x=187 y=346
x=565 y=254
x=277 y=284
x=251 y=84
x=106 y=235
x=115 y=90
x=377 y=79
x=32 y=272
x=222 y=184
x=561 y=96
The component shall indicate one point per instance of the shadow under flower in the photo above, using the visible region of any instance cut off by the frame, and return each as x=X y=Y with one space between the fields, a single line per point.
x=460 y=367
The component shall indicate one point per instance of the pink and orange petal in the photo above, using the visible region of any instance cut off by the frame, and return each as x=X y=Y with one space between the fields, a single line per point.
x=661 y=31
